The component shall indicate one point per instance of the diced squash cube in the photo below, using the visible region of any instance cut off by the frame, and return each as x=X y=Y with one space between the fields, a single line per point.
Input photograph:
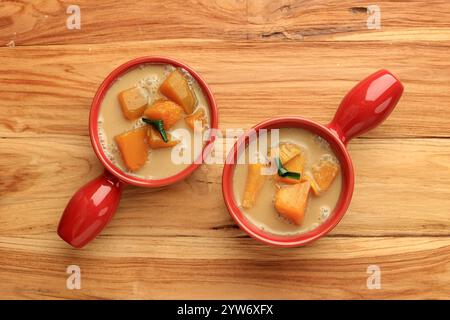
x=324 y=173
x=133 y=102
x=314 y=186
x=196 y=120
x=155 y=140
x=177 y=89
x=296 y=164
x=285 y=152
x=253 y=184
x=288 y=151
x=167 y=111
x=291 y=201
x=133 y=147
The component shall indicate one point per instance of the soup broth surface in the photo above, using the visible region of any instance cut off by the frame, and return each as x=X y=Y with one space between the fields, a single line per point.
x=111 y=122
x=263 y=214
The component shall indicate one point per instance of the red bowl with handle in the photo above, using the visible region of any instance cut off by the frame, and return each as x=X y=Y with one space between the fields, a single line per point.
x=367 y=105
x=93 y=205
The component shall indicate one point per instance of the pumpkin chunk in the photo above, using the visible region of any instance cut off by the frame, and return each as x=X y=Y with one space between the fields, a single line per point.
x=314 y=186
x=253 y=184
x=156 y=141
x=291 y=201
x=296 y=164
x=324 y=173
x=285 y=152
x=133 y=147
x=133 y=102
x=164 y=110
x=197 y=120
x=177 y=89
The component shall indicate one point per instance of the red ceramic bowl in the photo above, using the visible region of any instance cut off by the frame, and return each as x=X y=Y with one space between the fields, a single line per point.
x=94 y=204
x=367 y=105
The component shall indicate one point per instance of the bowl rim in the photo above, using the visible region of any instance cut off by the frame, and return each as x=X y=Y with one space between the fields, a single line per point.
x=93 y=122
x=294 y=240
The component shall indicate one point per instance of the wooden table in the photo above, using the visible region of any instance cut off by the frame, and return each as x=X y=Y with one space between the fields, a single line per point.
x=262 y=58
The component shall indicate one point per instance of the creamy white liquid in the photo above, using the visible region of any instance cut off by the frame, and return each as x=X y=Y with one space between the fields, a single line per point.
x=111 y=122
x=263 y=213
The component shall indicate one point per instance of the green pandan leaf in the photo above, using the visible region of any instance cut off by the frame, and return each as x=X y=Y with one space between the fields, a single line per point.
x=159 y=125
x=283 y=172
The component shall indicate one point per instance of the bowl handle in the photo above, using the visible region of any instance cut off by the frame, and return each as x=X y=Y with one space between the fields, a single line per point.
x=90 y=210
x=367 y=105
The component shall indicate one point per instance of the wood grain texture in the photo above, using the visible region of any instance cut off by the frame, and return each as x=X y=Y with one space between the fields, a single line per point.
x=202 y=267
x=43 y=22
x=261 y=59
x=268 y=79
x=391 y=178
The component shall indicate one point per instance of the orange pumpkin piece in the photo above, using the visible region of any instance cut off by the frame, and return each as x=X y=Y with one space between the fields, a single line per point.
x=296 y=164
x=314 y=186
x=285 y=152
x=133 y=102
x=253 y=184
x=291 y=201
x=177 y=89
x=197 y=120
x=155 y=140
x=167 y=111
x=133 y=147
x=324 y=173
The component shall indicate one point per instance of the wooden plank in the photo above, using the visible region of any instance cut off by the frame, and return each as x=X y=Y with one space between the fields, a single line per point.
x=262 y=58
x=296 y=20
x=217 y=267
x=49 y=90
x=44 y=22
x=401 y=190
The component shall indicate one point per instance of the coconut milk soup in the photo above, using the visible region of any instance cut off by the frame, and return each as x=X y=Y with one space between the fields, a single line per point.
x=302 y=197
x=142 y=118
